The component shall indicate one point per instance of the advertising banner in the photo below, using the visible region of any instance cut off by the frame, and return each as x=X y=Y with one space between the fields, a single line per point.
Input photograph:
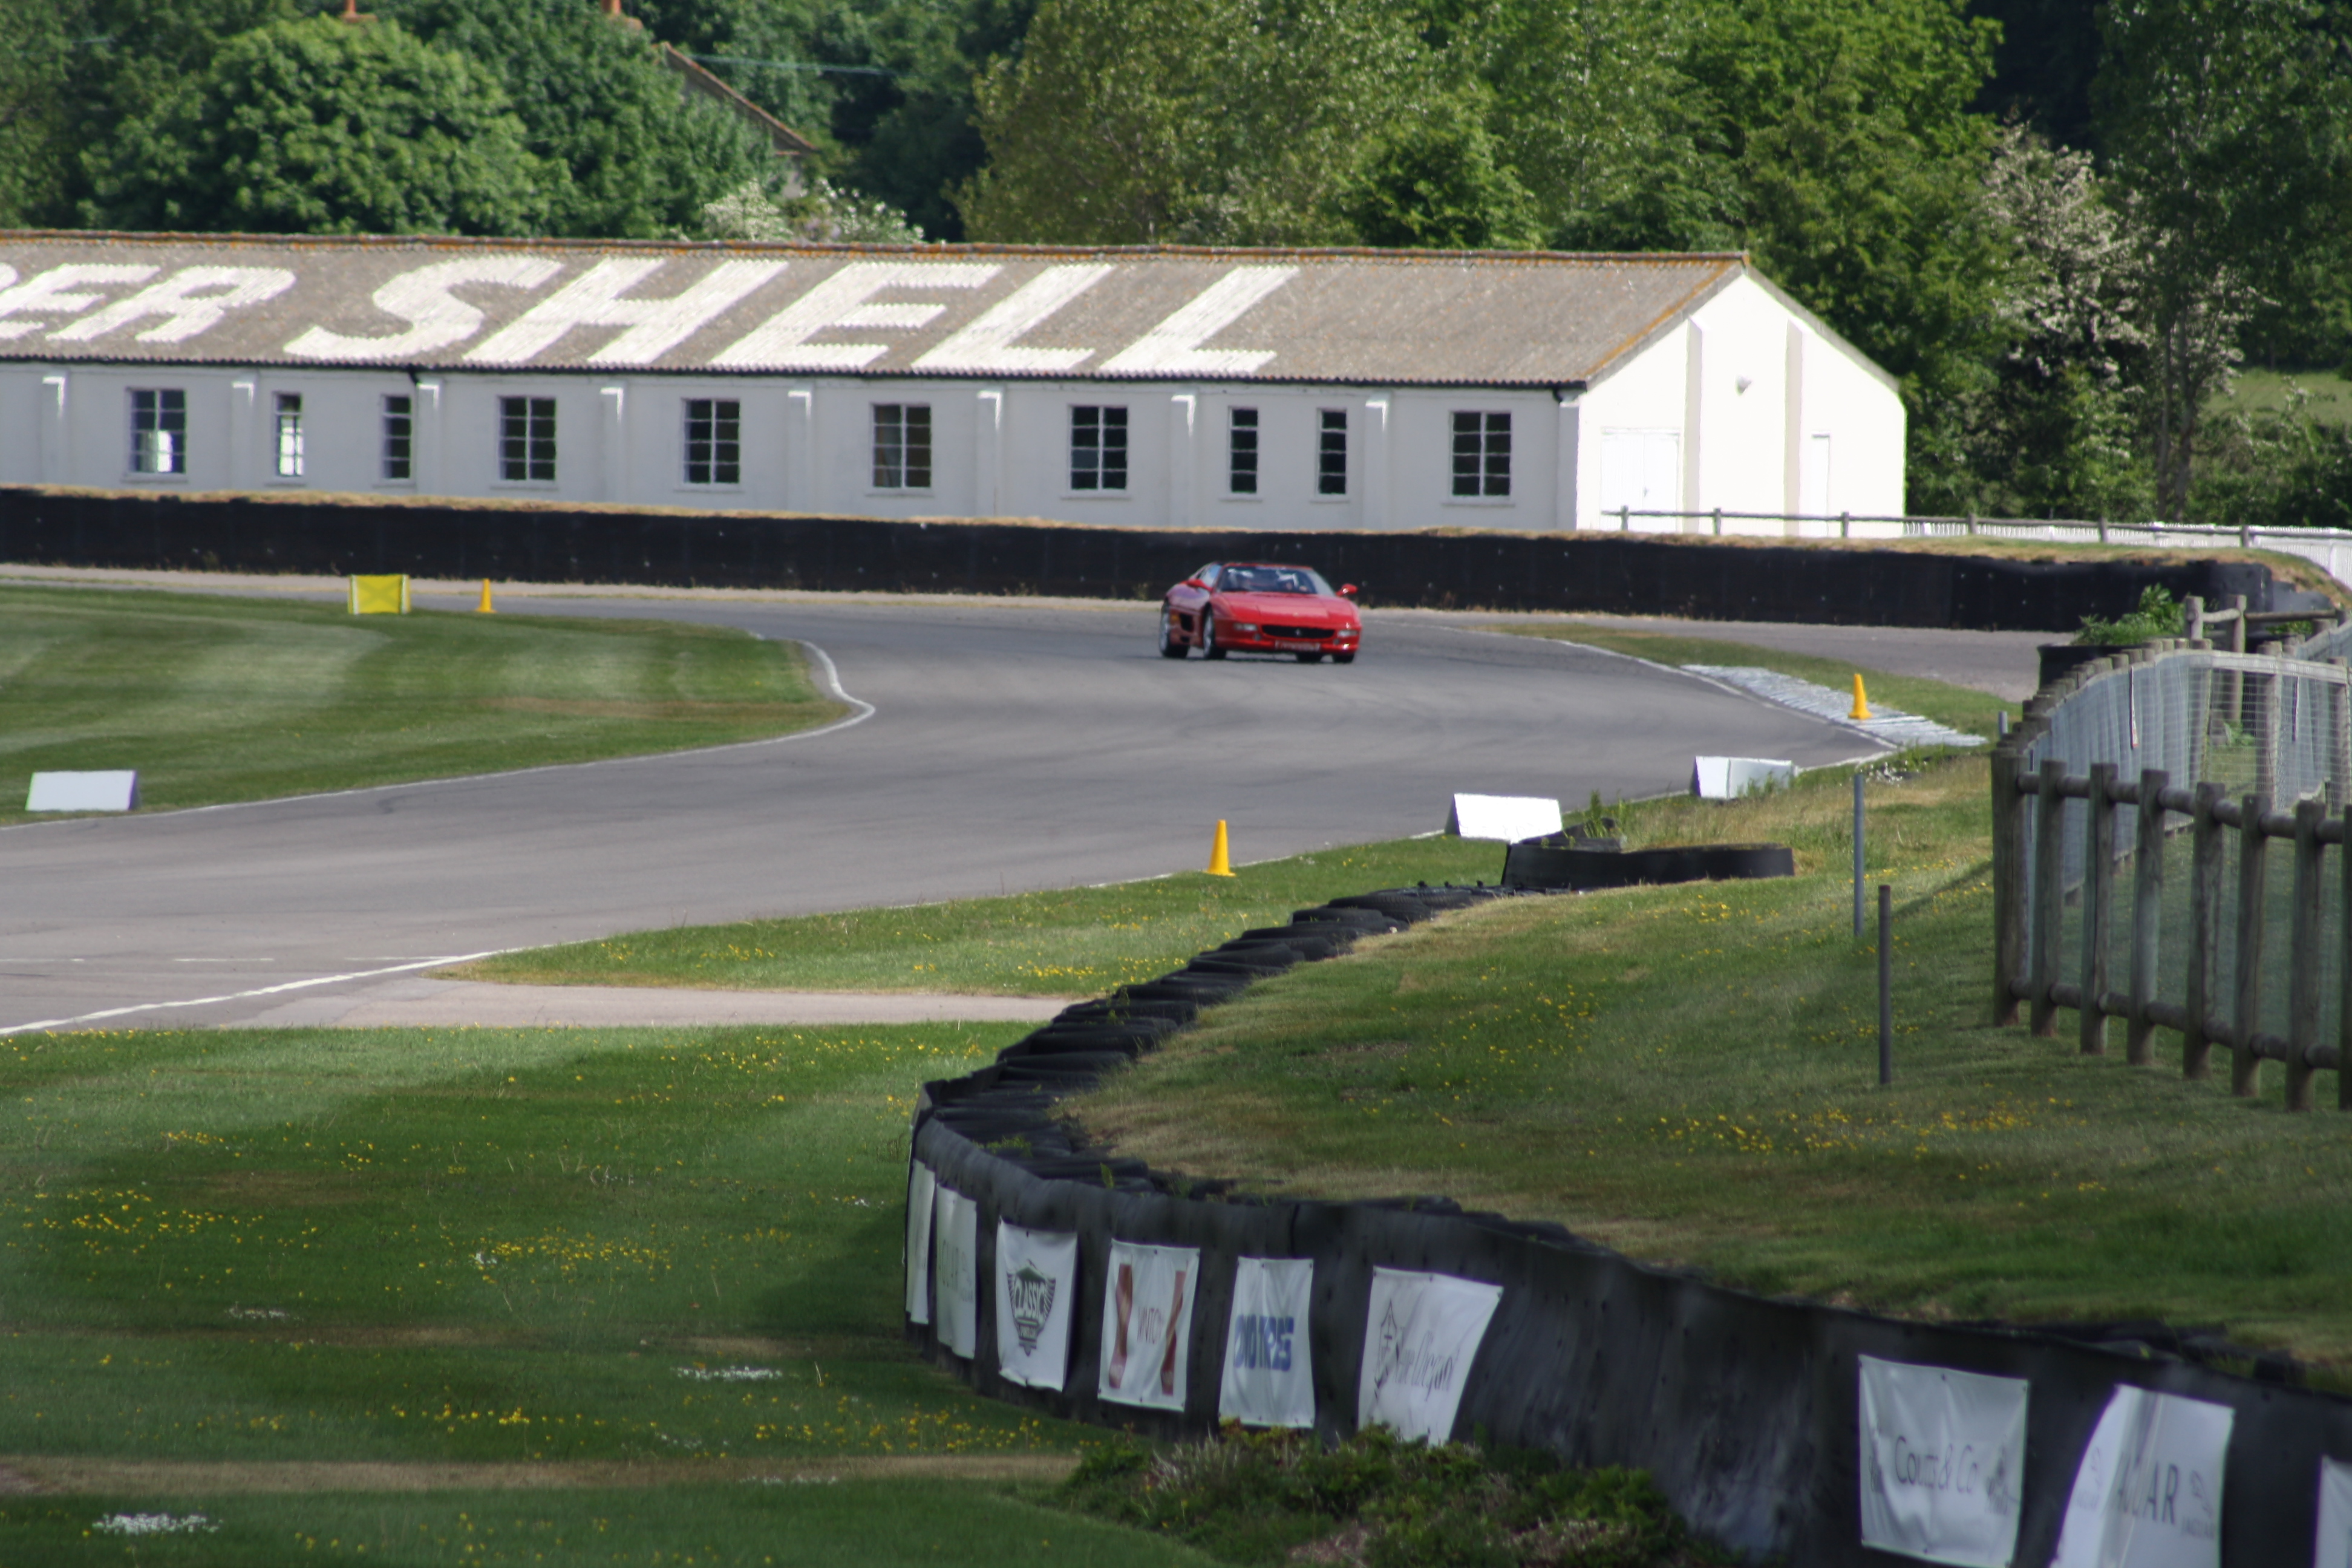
x=922 y=1186
x=2149 y=1491
x=1148 y=1323
x=2334 y=1543
x=1268 y=1379
x=1037 y=1279
x=1420 y=1332
x=955 y=1271
x=1943 y=1463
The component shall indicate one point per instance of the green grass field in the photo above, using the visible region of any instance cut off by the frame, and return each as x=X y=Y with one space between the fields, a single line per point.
x=1688 y=1074
x=1072 y=942
x=2259 y=391
x=217 y=699
x=662 y=1267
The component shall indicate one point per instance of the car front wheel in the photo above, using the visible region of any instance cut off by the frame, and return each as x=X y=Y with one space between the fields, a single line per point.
x=1170 y=646
x=1210 y=646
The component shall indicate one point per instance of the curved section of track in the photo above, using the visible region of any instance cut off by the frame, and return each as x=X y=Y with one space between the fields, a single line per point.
x=1005 y=749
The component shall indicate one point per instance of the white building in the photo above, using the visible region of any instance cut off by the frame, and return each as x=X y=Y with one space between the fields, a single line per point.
x=1160 y=388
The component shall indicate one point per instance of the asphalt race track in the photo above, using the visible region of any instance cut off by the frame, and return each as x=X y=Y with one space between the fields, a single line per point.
x=1008 y=748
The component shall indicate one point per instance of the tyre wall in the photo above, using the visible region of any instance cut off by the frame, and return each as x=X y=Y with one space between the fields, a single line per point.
x=1744 y=1409
x=531 y=541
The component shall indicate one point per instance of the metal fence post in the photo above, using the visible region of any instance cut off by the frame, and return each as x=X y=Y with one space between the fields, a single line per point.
x=2302 y=967
x=2245 y=1066
x=2265 y=695
x=2098 y=904
x=1885 y=984
x=1845 y=525
x=2204 y=928
x=2233 y=685
x=2147 y=916
x=2049 y=893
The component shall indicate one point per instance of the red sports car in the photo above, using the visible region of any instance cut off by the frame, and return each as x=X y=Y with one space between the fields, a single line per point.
x=1252 y=607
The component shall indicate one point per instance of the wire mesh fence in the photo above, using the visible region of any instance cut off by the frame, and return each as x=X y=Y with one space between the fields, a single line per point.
x=2169 y=855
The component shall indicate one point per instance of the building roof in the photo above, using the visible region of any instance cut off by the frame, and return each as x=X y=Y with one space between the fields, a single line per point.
x=1347 y=317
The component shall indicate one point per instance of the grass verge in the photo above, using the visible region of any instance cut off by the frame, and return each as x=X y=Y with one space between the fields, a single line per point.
x=1970 y=713
x=1688 y=1074
x=392 y=1264
x=1070 y=942
x=219 y=700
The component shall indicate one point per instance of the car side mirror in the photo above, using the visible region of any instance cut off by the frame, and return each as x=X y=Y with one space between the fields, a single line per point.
x=1347 y=590
x=1194 y=583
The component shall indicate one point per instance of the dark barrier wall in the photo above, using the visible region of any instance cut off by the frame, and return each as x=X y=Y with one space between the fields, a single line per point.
x=1744 y=1409
x=528 y=541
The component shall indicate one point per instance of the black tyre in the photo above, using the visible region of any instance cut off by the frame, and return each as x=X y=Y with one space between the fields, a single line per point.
x=1169 y=647
x=1307 y=658
x=1210 y=648
x=1343 y=659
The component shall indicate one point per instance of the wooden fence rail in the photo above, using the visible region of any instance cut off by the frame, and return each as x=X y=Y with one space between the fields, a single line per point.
x=2031 y=915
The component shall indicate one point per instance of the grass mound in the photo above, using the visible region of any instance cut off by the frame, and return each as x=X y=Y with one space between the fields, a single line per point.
x=221 y=700
x=1689 y=1074
x=1376 y=1502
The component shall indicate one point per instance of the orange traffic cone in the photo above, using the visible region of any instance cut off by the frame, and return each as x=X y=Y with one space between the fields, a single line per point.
x=486 y=607
x=1860 y=701
x=1219 y=860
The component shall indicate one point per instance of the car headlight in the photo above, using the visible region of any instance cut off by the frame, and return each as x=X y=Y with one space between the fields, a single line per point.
x=1244 y=626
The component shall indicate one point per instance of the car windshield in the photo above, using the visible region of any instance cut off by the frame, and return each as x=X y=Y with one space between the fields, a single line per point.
x=1271 y=580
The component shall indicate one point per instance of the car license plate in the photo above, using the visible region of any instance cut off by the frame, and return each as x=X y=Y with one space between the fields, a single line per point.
x=1299 y=646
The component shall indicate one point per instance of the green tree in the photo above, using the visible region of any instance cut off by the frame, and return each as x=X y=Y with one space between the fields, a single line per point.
x=628 y=155
x=35 y=110
x=1216 y=121
x=2224 y=127
x=316 y=127
x=1439 y=181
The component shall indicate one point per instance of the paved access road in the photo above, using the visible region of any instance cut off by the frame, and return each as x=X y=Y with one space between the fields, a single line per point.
x=1010 y=747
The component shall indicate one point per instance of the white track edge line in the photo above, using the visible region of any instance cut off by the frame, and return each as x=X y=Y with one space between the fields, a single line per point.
x=245 y=996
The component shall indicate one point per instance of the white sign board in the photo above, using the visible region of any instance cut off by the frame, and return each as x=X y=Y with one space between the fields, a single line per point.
x=1728 y=778
x=955 y=1271
x=1036 y=1277
x=1268 y=1379
x=83 y=792
x=921 y=1188
x=1507 y=818
x=2332 y=1547
x=2149 y=1491
x=1421 y=1334
x=1148 y=1323
x=1943 y=1463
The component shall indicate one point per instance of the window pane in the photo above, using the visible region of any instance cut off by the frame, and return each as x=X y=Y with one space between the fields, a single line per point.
x=919 y=446
x=725 y=441
x=1498 y=454
x=1086 y=449
x=1331 y=456
x=698 y=441
x=159 y=431
x=1241 y=451
x=290 y=436
x=1114 y=448
x=1468 y=443
x=399 y=439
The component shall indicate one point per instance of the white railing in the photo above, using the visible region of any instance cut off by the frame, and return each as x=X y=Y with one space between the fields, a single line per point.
x=2327 y=548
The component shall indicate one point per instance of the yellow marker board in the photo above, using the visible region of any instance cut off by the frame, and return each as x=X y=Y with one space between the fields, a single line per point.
x=380 y=596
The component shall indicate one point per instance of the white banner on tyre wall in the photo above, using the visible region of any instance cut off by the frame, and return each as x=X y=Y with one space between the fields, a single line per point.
x=1148 y=1323
x=1943 y=1462
x=1420 y=1332
x=1268 y=1379
x=2334 y=1544
x=1036 y=1277
x=2149 y=1491
x=922 y=1187
x=955 y=1271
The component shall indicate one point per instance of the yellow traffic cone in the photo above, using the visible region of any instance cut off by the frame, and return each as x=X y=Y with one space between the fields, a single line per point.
x=485 y=607
x=1220 y=861
x=1860 y=701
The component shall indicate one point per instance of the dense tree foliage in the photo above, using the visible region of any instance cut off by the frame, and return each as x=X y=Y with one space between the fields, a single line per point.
x=315 y=127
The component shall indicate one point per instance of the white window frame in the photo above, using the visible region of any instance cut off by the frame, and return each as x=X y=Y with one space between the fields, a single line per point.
x=1125 y=426
x=1323 y=428
x=531 y=414
x=287 y=462
x=174 y=452
x=1486 y=416
x=899 y=415
x=1244 y=422
x=385 y=415
x=715 y=461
